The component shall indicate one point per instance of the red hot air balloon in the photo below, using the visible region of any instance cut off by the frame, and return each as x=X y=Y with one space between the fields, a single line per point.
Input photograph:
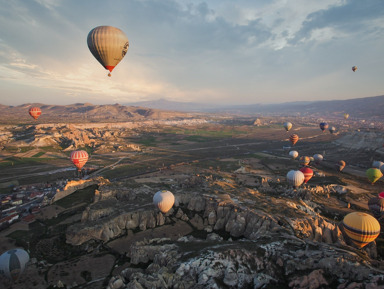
x=381 y=195
x=308 y=173
x=35 y=112
x=294 y=138
x=79 y=158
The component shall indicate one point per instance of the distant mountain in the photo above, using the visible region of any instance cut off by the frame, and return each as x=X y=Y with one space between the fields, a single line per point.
x=359 y=107
x=177 y=105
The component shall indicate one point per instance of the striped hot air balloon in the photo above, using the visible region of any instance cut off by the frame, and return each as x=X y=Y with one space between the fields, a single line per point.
x=340 y=165
x=381 y=195
x=373 y=175
x=108 y=45
x=164 y=200
x=13 y=262
x=304 y=160
x=323 y=126
x=294 y=138
x=295 y=178
x=361 y=228
x=308 y=173
x=287 y=125
x=293 y=154
x=376 y=205
x=79 y=158
x=35 y=112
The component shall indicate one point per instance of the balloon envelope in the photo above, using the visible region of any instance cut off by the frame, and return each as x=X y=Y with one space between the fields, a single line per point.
x=318 y=158
x=323 y=126
x=164 y=200
x=361 y=228
x=35 y=112
x=373 y=174
x=332 y=129
x=381 y=195
x=294 y=138
x=308 y=173
x=295 y=178
x=108 y=45
x=12 y=263
x=377 y=164
x=340 y=165
x=287 y=126
x=79 y=158
x=293 y=154
x=376 y=205
x=304 y=160
x=346 y=115
x=354 y=68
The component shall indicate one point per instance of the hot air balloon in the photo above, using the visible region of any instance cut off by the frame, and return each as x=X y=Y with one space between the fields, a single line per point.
x=295 y=178
x=164 y=200
x=304 y=160
x=377 y=164
x=373 y=175
x=361 y=228
x=293 y=154
x=108 y=45
x=323 y=126
x=376 y=205
x=79 y=158
x=332 y=129
x=308 y=173
x=35 y=112
x=346 y=115
x=354 y=68
x=381 y=195
x=318 y=158
x=12 y=263
x=340 y=165
x=287 y=126
x=294 y=138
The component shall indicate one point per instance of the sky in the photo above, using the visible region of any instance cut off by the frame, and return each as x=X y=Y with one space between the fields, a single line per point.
x=216 y=52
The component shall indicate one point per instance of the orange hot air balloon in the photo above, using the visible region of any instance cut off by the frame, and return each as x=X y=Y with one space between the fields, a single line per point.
x=308 y=173
x=340 y=165
x=294 y=138
x=79 y=158
x=35 y=112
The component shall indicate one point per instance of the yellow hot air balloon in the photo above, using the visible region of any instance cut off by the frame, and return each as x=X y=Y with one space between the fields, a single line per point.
x=346 y=115
x=373 y=175
x=164 y=200
x=361 y=228
x=108 y=45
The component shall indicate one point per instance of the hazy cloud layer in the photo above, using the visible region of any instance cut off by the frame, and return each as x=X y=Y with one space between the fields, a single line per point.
x=213 y=51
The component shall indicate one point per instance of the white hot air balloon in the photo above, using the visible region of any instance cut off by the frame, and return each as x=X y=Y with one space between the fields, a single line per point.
x=295 y=178
x=318 y=158
x=377 y=164
x=164 y=200
x=13 y=262
x=108 y=45
x=293 y=154
x=287 y=125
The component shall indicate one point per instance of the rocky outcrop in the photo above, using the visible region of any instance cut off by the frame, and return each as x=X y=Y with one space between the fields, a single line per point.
x=286 y=261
